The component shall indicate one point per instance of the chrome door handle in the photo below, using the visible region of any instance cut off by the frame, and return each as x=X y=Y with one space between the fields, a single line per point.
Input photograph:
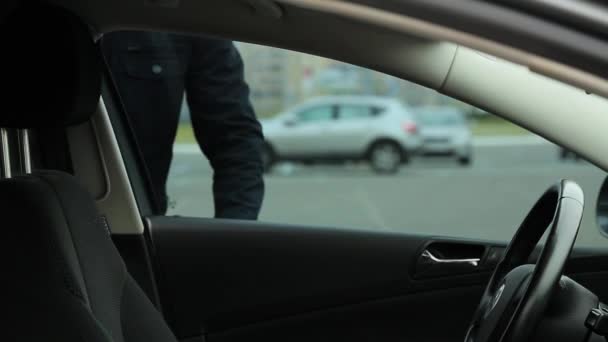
x=439 y=261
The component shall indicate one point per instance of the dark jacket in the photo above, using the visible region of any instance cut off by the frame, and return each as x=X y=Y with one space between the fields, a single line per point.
x=152 y=71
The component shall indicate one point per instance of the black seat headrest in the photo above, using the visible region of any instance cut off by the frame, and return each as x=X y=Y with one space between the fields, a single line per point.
x=51 y=68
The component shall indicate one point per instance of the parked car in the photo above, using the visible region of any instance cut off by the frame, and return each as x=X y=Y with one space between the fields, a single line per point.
x=379 y=130
x=444 y=131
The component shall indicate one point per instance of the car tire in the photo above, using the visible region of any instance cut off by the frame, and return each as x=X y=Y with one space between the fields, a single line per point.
x=268 y=158
x=464 y=160
x=385 y=157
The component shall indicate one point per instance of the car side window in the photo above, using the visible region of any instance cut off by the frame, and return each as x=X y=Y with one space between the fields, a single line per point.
x=405 y=173
x=316 y=114
x=348 y=112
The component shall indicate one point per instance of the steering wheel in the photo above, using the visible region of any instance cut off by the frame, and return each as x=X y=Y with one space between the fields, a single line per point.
x=518 y=294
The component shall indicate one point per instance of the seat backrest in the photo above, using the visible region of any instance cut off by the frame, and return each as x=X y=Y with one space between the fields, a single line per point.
x=66 y=280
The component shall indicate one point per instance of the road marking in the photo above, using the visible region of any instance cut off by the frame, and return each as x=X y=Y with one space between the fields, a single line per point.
x=371 y=208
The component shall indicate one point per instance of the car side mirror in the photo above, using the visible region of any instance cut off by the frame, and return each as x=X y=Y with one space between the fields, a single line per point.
x=602 y=208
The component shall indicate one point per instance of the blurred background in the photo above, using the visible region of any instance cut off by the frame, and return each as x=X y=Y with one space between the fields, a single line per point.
x=280 y=79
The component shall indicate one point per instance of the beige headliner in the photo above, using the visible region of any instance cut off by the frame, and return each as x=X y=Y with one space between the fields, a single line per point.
x=331 y=28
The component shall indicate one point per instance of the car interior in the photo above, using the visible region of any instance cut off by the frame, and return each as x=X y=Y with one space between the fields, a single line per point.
x=88 y=260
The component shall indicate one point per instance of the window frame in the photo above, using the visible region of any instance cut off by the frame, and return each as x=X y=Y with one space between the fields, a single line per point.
x=130 y=152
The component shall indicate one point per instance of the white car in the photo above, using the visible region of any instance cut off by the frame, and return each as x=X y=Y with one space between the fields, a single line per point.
x=340 y=128
x=444 y=131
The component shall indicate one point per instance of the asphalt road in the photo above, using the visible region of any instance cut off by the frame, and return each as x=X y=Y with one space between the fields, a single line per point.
x=430 y=196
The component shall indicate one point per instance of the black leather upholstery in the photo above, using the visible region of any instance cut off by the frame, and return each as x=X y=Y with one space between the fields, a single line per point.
x=50 y=68
x=68 y=277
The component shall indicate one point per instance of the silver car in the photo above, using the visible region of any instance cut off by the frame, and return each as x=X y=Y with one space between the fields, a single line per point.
x=379 y=130
x=445 y=131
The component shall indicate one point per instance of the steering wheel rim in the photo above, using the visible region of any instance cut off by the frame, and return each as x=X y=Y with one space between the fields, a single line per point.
x=517 y=294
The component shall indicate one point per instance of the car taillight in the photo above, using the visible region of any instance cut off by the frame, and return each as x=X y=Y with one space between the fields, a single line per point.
x=410 y=127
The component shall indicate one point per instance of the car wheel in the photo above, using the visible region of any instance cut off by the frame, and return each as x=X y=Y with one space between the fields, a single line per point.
x=385 y=157
x=268 y=158
x=464 y=160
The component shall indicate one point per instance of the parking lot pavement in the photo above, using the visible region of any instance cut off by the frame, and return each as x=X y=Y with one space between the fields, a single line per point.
x=486 y=200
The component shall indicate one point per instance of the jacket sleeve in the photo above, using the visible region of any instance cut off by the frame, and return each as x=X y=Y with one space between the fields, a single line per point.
x=226 y=127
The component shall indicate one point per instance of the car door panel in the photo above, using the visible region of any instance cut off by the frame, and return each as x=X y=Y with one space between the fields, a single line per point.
x=351 y=131
x=305 y=137
x=300 y=139
x=241 y=281
x=350 y=137
x=390 y=319
x=229 y=274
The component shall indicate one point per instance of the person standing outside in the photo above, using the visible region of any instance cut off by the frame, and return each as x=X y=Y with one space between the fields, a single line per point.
x=152 y=71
